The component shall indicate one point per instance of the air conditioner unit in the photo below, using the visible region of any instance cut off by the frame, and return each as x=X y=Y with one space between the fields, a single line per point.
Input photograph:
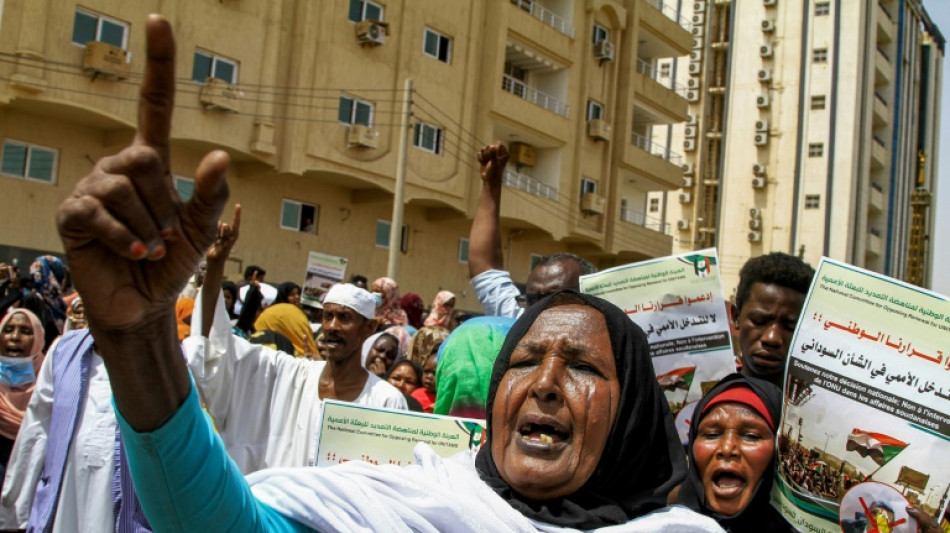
x=761 y=139
x=763 y=101
x=755 y=224
x=593 y=203
x=769 y=3
x=697 y=31
x=522 y=155
x=686 y=197
x=762 y=126
x=219 y=95
x=598 y=129
x=758 y=183
x=698 y=19
x=759 y=169
x=765 y=75
x=688 y=169
x=687 y=182
x=695 y=68
x=689 y=132
x=692 y=96
x=362 y=136
x=689 y=145
x=696 y=55
x=103 y=59
x=691 y=119
x=755 y=236
x=755 y=212
x=766 y=50
x=692 y=83
x=699 y=7
x=372 y=32
x=682 y=224
x=697 y=43
x=604 y=51
x=768 y=25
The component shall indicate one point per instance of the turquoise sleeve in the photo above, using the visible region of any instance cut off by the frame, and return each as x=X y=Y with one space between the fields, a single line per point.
x=185 y=480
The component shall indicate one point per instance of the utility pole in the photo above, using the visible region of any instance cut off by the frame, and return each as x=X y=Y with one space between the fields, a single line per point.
x=395 y=229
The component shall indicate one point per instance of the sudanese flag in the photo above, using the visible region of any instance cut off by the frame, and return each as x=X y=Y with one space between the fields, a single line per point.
x=880 y=447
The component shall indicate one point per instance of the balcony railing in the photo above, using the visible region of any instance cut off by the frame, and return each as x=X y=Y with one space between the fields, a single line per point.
x=546 y=16
x=667 y=7
x=663 y=152
x=883 y=53
x=880 y=98
x=641 y=219
x=526 y=183
x=645 y=68
x=522 y=90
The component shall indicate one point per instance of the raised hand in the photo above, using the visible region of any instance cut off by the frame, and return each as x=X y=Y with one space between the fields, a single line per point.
x=492 y=160
x=228 y=234
x=130 y=242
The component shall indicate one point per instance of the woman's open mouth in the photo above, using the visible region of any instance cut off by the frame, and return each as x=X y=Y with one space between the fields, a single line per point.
x=543 y=433
x=728 y=483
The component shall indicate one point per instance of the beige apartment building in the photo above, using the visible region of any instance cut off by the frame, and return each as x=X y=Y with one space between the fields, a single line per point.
x=813 y=130
x=308 y=97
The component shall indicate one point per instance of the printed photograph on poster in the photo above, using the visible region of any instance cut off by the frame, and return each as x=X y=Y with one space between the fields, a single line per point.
x=867 y=399
x=678 y=303
x=323 y=271
x=875 y=507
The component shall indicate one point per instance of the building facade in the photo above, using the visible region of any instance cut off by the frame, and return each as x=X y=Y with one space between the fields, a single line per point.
x=309 y=97
x=812 y=130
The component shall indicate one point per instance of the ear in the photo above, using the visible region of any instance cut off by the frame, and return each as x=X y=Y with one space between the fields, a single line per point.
x=369 y=327
x=734 y=311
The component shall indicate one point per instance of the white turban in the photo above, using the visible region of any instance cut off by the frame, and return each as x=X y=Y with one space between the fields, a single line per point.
x=357 y=299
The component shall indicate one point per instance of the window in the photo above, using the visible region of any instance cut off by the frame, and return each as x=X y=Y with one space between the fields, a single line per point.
x=463 y=250
x=818 y=102
x=665 y=70
x=355 y=111
x=208 y=65
x=822 y=8
x=298 y=216
x=382 y=236
x=595 y=110
x=436 y=45
x=812 y=201
x=819 y=55
x=599 y=33
x=816 y=149
x=588 y=186
x=29 y=161
x=365 y=10
x=89 y=26
x=428 y=137
x=185 y=188
x=654 y=205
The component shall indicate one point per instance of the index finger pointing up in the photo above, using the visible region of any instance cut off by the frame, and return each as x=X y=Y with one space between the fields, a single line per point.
x=157 y=96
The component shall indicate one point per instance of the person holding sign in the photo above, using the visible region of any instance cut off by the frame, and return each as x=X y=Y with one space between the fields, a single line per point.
x=580 y=434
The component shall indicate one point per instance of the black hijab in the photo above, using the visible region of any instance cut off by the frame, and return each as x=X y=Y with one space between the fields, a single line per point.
x=759 y=515
x=284 y=290
x=642 y=459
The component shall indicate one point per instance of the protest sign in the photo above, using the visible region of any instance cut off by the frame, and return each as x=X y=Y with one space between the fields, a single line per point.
x=323 y=271
x=678 y=303
x=866 y=420
x=351 y=432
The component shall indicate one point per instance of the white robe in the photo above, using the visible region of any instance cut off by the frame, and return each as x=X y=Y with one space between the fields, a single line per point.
x=265 y=404
x=434 y=495
x=85 y=499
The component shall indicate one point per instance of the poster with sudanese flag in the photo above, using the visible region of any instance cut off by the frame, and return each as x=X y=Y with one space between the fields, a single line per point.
x=678 y=303
x=866 y=418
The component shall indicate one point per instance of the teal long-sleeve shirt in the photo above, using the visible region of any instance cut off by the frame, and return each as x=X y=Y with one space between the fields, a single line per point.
x=185 y=480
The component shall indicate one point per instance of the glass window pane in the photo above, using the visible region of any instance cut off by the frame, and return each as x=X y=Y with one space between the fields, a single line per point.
x=364 y=114
x=346 y=110
x=201 y=70
x=14 y=159
x=41 y=164
x=113 y=34
x=382 y=233
x=373 y=12
x=444 y=48
x=463 y=250
x=428 y=137
x=225 y=70
x=84 y=28
x=290 y=215
x=431 y=45
x=185 y=188
x=356 y=10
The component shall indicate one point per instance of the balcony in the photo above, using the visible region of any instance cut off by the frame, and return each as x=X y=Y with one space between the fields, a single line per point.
x=882 y=67
x=536 y=97
x=876 y=198
x=667 y=33
x=885 y=24
x=658 y=150
x=524 y=182
x=874 y=242
x=880 y=110
x=546 y=16
x=638 y=237
x=879 y=157
x=641 y=219
x=660 y=93
x=653 y=161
